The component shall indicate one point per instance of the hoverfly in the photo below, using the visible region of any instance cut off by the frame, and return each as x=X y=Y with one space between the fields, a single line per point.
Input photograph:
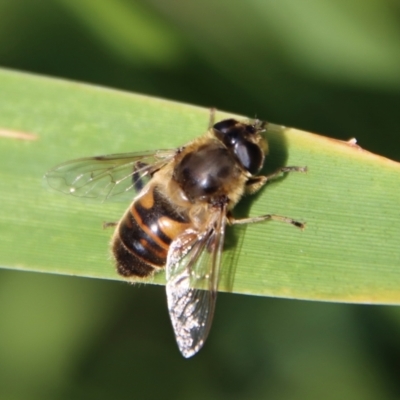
x=184 y=200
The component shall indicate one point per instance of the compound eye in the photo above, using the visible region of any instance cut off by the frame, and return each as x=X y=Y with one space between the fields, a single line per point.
x=250 y=129
x=225 y=126
x=232 y=137
x=228 y=132
x=250 y=156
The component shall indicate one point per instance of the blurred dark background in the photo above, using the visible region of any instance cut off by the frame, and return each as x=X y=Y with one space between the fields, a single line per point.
x=330 y=67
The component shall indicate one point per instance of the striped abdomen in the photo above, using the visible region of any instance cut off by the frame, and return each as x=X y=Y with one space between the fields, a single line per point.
x=145 y=233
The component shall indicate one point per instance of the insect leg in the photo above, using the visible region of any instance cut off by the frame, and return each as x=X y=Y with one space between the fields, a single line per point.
x=109 y=225
x=212 y=117
x=267 y=217
x=257 y=182
x=137 y=179
x=284 y=170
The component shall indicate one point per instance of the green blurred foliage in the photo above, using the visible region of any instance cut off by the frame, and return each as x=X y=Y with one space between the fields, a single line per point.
x=330 y=67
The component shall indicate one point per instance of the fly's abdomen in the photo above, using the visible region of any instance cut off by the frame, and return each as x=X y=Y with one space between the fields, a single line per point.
x=143 y=237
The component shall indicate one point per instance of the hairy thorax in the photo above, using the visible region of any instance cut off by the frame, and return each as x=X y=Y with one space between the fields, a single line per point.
x=208 y=174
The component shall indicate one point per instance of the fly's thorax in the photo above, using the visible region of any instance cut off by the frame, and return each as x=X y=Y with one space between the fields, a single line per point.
x=206 y=171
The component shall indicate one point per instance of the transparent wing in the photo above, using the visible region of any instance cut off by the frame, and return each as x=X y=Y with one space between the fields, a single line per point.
x=109 y=176
x=192 y=270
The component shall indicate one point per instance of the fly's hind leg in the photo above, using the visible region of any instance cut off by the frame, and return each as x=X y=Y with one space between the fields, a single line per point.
x=255 y=183
x=138 y=184
x=109 y=225
x=137 y=178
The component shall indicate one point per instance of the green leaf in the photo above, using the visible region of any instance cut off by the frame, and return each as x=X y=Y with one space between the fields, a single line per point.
x=349 y=199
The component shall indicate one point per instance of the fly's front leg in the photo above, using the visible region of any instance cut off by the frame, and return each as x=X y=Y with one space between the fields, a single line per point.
x=255 y=183
x=211 y=121
x=266 y=217
x=286 y=169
